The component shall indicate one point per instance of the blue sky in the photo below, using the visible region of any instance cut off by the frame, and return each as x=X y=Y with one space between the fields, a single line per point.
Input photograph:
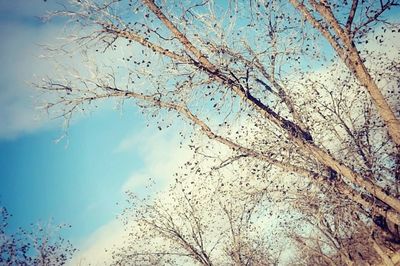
x=77 y=180
x=80 y=179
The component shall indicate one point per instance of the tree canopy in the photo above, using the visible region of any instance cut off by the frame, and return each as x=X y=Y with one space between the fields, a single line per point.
x=299 y=101
x=38 y=245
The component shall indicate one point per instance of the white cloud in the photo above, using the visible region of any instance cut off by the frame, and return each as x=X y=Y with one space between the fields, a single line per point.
x=162 y=157
x=19 y=54
x=134 y=182
x=23 y=8
x=96 y=250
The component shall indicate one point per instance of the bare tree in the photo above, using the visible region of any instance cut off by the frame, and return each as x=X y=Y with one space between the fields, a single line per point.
x=39 y=245
x=197 y=224
x=291 y=86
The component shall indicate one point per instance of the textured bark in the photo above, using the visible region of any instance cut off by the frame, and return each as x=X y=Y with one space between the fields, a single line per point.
x=385 y=258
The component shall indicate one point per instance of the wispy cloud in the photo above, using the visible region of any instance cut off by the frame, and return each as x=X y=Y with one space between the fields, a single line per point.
x=96 y=250
x=162 y=157
x=19 y=54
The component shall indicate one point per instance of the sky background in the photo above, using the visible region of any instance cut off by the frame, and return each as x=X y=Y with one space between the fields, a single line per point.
x=80 y=179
